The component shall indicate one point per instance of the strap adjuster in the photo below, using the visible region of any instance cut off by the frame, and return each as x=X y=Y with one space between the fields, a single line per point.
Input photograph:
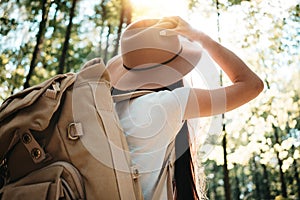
x=135 y=172
x=75 y=131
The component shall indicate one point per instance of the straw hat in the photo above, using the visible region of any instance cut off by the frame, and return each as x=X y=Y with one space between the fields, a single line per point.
x=149 y=59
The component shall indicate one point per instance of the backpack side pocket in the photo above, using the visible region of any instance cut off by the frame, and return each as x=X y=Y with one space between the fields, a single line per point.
x=60 y=180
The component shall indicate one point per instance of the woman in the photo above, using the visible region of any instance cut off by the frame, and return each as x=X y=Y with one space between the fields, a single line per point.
x=156 y=53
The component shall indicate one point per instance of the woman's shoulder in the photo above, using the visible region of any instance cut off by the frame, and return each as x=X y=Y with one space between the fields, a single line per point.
x=174 y=101
x=177 y=94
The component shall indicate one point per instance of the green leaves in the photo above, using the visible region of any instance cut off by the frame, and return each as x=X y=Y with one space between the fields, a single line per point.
x=7 y=25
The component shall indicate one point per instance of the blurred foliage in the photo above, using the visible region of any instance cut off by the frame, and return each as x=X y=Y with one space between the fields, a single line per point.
x=265 y=33
x=264 y=136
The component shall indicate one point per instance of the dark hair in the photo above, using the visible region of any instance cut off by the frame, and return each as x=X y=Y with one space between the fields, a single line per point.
x=184 y=169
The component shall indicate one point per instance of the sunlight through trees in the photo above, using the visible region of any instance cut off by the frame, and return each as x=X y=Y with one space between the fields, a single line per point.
x=39 y=39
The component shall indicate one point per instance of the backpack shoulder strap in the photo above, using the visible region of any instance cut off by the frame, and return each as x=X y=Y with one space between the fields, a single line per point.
x=120 y=153
x=130 y=95
x=125 y=173
x=165 y=174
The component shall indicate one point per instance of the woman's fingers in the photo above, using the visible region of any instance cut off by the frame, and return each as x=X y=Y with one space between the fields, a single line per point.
x=168 y=32
x=173 y=19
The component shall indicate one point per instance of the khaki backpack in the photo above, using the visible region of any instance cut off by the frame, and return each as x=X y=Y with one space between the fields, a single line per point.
x=62 y=139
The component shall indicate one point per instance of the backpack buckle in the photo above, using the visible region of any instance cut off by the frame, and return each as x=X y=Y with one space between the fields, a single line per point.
x=135 y=172
x=75 y=131
x=53 y=92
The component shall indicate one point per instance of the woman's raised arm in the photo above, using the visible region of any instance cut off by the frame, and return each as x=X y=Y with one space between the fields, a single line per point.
x=246 y=85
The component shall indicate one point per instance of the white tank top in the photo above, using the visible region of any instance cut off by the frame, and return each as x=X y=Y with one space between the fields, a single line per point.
x=150 y=123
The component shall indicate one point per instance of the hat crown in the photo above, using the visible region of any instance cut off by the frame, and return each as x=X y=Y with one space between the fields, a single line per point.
x=149 y=59
x=142 y=45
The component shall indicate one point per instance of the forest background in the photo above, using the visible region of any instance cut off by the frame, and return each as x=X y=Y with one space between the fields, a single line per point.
x=257 y=154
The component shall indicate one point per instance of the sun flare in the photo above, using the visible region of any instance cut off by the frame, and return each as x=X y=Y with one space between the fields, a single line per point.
x=158 y=8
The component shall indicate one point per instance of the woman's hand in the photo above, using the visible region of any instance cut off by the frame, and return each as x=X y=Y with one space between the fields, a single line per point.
x=181 y=28
x=245 y=86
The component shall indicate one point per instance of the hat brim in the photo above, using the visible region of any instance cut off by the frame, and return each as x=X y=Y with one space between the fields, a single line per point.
x=162 y=76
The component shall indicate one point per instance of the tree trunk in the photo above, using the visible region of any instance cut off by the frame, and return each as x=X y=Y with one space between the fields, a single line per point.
x=256 y=180
x=282 y=181
x=100 y=42
x=128 y=12
x=39 y=40
x=107 y=44
x=67 y=39
x=237 y=192
x=225 y=168
x=266 y=183
x=102 y=26
x=215 y=184
x=55 y=16
x=125 y=15
x=120 y=27
x=296 y=174
x=224 y=141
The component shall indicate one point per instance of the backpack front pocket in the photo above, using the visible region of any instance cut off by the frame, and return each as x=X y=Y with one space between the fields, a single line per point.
x=60 y=180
